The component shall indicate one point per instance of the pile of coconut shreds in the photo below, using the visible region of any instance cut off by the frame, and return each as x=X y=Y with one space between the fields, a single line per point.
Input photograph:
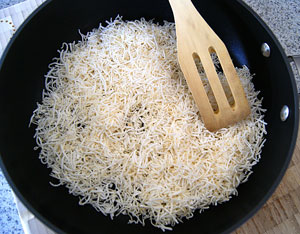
x=120 y=129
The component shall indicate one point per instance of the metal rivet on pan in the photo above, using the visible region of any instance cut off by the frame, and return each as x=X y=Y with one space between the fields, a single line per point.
x=265 y=50
x=284 y=113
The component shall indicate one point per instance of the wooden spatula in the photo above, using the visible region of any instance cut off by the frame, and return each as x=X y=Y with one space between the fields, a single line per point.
x=196 y=38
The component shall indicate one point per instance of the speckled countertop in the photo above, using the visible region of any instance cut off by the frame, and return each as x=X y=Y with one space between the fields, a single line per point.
x=283 y=18
x=7 y=3
x=9 y=219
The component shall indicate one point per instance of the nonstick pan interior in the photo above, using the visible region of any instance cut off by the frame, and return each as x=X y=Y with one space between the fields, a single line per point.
x=25 y=62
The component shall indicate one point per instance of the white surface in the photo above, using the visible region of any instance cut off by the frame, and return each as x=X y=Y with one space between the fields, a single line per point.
x=31 y=225
x=12 y=17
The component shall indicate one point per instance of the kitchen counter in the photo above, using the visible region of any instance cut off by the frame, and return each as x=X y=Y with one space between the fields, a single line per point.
x=9 y=219
x=283 y=18
x=8 y=3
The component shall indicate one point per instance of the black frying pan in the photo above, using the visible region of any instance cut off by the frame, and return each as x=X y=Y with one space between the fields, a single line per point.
x=25 y=62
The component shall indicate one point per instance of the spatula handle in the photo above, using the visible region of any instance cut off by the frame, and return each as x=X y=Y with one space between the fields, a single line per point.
x=184 y=10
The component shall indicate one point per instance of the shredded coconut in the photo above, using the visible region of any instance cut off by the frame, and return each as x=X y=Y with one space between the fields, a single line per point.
x=119 y=128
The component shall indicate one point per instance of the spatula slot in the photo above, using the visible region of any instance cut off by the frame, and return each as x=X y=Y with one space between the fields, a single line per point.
x=205 y=83
x=221 y=76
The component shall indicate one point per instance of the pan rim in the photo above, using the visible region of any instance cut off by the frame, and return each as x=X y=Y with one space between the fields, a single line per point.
x=289 y=155
x=11 y=183
x=255 y=208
